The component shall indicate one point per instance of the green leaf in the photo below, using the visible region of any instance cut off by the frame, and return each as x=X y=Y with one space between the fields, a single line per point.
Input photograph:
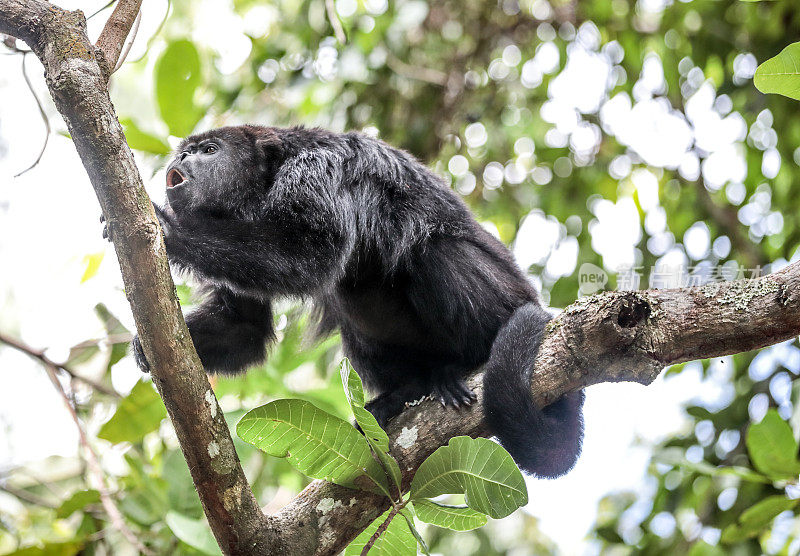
x=181 y=494
x=701 y=548
x=761 y=514
x=177 y=76
x=457 y=518
x=781 y=74
x=375 y=435
x=194 y=532
x=772 y=447
x=318 y=444
x=476 y=467
x=141 y=140
x=77 y=501
x=397 y=540
x=92 y=262
x=757 y=518
x=409 y=517
x=137 y=414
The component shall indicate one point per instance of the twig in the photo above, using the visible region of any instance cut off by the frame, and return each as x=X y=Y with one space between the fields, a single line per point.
x=42 y=113
x=94 y=468
x=112 y=37
x=111 y=339
x=26 y=496
x=38 y=354
x=157 y=32
x=102 y=9
x=336 y=23
x=382 y=529
x=129 y=44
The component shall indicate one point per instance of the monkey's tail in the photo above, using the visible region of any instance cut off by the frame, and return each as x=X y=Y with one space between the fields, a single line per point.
x=545 y=442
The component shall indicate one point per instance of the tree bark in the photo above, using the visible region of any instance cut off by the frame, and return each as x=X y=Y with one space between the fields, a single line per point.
x=611 y=337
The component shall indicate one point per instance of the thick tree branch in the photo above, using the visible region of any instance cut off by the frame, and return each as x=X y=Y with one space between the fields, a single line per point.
x=610 y=337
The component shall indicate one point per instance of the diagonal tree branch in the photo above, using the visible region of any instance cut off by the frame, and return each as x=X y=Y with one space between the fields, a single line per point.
x=78 y=85
x=616 y=336
x=95 y=471
x=610 y=337
x=40 y=355
x=112 y=37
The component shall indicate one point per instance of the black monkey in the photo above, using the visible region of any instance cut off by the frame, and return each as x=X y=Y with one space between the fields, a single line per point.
x=386 y=252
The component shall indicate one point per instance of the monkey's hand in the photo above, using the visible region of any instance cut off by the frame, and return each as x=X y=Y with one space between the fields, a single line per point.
x=138 y=355
x=166 y=218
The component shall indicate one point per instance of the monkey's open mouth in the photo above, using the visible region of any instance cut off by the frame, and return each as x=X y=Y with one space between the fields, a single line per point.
x=174 y=177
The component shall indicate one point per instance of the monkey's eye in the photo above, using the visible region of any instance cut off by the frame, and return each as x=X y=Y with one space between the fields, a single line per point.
x=210 y=149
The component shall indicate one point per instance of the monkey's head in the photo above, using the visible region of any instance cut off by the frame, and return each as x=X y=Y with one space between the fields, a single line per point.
x=220 y=169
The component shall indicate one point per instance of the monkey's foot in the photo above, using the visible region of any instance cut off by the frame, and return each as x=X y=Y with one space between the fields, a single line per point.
x=451 y=390
x=384 y=408
x=138 y=355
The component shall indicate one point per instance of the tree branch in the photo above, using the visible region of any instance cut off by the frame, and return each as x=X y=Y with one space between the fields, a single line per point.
x=38 y=354
x=112 y=37
x=615 y=336
x=610 y=337
x=95 y=470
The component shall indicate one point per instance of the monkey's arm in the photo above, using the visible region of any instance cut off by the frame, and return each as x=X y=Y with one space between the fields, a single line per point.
x=280 y=254
x=229 y=331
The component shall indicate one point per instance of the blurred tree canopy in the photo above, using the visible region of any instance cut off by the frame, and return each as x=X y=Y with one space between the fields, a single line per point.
x=623 y=134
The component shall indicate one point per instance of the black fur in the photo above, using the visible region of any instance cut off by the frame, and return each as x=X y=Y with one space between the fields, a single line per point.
x=387 y=253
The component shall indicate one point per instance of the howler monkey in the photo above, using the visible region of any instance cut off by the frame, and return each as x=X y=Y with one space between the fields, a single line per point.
x=386 y=252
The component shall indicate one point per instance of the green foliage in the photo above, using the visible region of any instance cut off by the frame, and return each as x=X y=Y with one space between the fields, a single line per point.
x=317 y=443
x=757 y=518
x=781 y=74
x=376 y=437
x=397 y=540
x=457 y=518
x=49 y=549
x=773 y=448
x=194 y=532
x=177 y=78
x=77 y=501
x=138 y=414
x=476 y=467
x=141 y=140
x=321 y=445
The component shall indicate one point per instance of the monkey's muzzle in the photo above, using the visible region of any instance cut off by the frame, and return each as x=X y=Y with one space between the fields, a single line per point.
x=174 y=177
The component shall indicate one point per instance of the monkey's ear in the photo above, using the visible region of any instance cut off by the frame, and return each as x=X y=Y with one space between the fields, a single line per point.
x=270 y=143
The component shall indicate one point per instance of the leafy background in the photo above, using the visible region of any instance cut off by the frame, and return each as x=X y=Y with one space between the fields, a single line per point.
x=620 y=134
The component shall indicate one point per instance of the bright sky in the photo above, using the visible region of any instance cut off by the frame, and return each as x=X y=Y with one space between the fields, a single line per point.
x=49 y=223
